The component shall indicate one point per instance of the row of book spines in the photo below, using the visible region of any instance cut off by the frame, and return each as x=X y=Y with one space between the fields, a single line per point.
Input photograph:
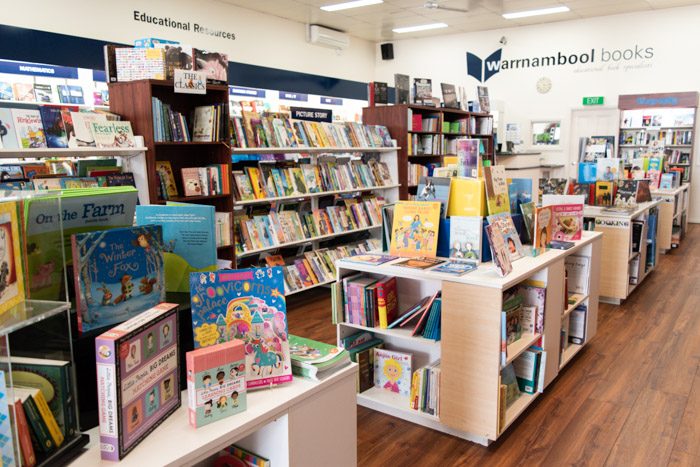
x=213 y=179
x=425 y=144
x=425 y=390
x=415 y=172
x=211 y=130
x=168 y=124
x=43 y=427
x=25 y=437
x=370 y=305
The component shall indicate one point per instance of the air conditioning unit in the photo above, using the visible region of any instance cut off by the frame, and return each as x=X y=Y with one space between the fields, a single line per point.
x=327 y=37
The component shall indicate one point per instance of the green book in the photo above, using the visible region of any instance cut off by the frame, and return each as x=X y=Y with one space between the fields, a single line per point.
x=311 y=359
x=42 y=436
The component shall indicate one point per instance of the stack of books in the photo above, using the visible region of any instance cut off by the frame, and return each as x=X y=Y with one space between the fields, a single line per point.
x=168 y=124
x=209 y=123
x=425 y=389
x=315 y=360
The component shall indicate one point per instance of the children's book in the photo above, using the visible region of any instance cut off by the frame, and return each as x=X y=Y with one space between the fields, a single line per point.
x=604 y=193
x=7 y=452
x=11 y=276
x=54 y=128
x=28 y=128
x=552 y=186
x=138 y=379
x=234 y=456
x=216 y=382
x=314 y=360
x=519 y=192
x=626 y=196
x=82 y=125
x=468 y=157
x=609 y=170
x=465 y=237
x=418 y=263
x=499 y=250
x=370 y=259
x=165 y=172
x=666 y=183
x=567 y=222
x=496 y=189
x=434 y=189
x=504 y=223
x=643 y=191
x=415 y=228
x=118 y=274
x=528 y=211
x=587 y=172
x=8 y=135
x=392 y=371
x=467 y=197
x=542 y=229
x=456 y=268
x=246 y=304
x=189 y=240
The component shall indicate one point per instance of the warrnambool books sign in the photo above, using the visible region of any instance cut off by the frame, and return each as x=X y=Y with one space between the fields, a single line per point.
x=190 y=82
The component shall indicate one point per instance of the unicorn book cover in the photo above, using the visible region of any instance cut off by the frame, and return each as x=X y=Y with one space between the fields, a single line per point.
x=245 y=304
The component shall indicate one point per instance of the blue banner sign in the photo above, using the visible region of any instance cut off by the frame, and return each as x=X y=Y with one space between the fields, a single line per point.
x=248 y=92
x=331 y=101
x=99 y=75
x=294 y=96
x=37 y=69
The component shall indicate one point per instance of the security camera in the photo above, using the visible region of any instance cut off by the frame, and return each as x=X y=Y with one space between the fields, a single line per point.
x=503 y=40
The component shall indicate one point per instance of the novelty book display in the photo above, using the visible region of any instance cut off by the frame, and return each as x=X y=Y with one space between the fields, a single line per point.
x=216 y=382
x=11 y=279
x=118 y=274
x=138 y=381
x=415 y=228
x=245 y=304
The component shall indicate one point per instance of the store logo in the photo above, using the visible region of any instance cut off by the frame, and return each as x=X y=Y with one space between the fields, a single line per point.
x=482 y=70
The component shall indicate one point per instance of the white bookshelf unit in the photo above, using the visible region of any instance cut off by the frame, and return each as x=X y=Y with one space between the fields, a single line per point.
x=673 y=216
x=469 y=350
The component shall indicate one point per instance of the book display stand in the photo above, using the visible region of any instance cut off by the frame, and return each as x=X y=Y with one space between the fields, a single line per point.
x=673 y=216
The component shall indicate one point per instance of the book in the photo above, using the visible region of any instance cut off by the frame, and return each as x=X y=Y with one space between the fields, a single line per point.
x=189 y=240
x=378 y=93
x=484 y=101
x=643 y=191
x=203 y=123
x=419 y=262
x=626 y=193
x=402 y=84
x=527 y=368
x=12 y=287
x=434 y=189
x=604 y=193
x=392 y=371
x=504 y=223
x=23 y=92
x=499 y=251
x=456 y=268
x=519 y=192
x=43 y=440
x=8 y=134
x=7 y=438
x=415 y=228
x=468 y=157
x=233 y=455
x=138 y=378
x=315 y=360
x=54 y=127
x=371 y=259
x=510 y=381
x=192 y=182
x=423 y=91
x=215 y=64
x=465 y=237
x=177 y=56
x=542 y=229
x=118 y=274
x=387 y=301
x=496 y=189
x=552 y=186
x=26 y=449
x=216 y=386
x=167 y=179
x=567 y=222
x=577 y=271
x=82 y=125
x=254 y=308
x=449 y=95
x=467 y=198
x=28 y=128
x=609 y=170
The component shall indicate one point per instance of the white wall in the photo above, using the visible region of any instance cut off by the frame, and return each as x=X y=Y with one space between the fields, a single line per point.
x=673 y=34
x=260 y=39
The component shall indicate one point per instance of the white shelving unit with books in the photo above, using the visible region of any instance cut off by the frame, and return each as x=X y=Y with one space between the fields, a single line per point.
x=673 y=216
x=469 y=351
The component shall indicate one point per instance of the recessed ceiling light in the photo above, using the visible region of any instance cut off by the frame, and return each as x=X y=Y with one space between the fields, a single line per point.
x=541 y=11
x=348 y=5
x=422 y=27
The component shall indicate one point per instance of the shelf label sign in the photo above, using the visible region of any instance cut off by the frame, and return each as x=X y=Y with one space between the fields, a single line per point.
x=331 y=101
x=294 y=96
x=612 y=223
x=247 y=92
x=594 y=100
x=38 y=69
x=190 y=82
x=99 y=76
x=312 y=115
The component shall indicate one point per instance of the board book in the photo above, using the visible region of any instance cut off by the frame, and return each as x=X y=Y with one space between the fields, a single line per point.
x=392 y=371
x=138 y=380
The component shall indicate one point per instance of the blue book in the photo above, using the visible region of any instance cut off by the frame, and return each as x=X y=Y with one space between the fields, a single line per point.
x=189 y=240
x=519 y=192
x=587 y=172
x=118 y=274
x=54 y=128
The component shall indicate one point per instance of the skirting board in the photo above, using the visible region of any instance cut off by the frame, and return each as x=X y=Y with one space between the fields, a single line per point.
x=612 y=301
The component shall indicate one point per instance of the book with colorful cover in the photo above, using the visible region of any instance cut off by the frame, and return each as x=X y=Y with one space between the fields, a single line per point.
x=387 y=301
x=420 y=262
x=504 y=223
x=312 y=359
x=528 y=212
x=138 y=379
x=456 y=268
x=26 y=449
x=552 y=186
x=542 y=229
x=654 y=177
x=609 y=169
x=496 y=189
x=567 y=222
x=392 y=371
x=587 y=172
x=246 y=304
x=468 y=157
x=434 y=189
x=371 y=259
x=519 y=192
x=165 y=171
x=234 y=454
x=12 y=287
x=29 y=128
x=643 y=191
x=626 y=195
x=82 y=125
x=499 y=250
x=189 y=240
x=415 y=228
x=467 y=197
x=8 y=135
x=465 y=237
x=216 y=382
x=54 y=128
x=118 y=274
x=604 y=193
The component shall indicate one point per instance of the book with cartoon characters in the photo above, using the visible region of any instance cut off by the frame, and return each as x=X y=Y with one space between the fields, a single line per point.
x=415 y=228
x=118 y=274
x=216 y=382
x=465 y=237
x=392 y=371
x=245 y=304
x=11 y=277
x=138 y=379
x=496 y=189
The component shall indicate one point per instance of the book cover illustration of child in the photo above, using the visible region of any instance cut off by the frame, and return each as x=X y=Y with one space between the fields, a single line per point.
x=392 y=371
x=246 y=304
x=415 y=228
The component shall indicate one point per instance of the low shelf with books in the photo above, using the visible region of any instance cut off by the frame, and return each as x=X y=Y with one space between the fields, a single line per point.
x=673 y=216
x=79 y=152
x=574 y=301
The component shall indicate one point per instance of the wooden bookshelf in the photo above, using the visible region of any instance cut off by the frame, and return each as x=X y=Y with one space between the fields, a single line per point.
x=673 y=216
x=396 y=119
x=132 y=100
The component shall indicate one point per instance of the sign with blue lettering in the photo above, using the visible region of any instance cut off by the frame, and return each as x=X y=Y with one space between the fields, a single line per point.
x=248 y=92
x=37 y=69
x=312 y=115
x=331 y=101
x=294 y=96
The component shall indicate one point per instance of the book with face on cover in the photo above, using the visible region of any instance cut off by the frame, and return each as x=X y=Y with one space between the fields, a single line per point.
x=542 y=229
x=415 y=228
x=465 y=237
x=29 y=128
x=504 y=223
x=392 y=371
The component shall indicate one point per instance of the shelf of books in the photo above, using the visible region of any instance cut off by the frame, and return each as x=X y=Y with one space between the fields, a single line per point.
x=673 y=216
x=464 y=353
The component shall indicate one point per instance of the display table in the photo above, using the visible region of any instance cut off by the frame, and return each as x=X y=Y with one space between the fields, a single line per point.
x=300 y=423
x=624 y=267
x=470 y=347
x=673 y=216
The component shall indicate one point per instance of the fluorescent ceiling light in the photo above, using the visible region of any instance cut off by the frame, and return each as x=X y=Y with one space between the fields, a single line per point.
x=422 y=27
x=541 y=11
x=348 y=5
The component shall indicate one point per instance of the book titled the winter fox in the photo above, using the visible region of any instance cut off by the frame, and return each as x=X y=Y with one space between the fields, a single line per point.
x=118 y=274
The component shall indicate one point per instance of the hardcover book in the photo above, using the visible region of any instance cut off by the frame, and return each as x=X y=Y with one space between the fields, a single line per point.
x=519 y=192
x=215 y=64
x=420 y=262
x=28 y=128
x=138 y=379
x=468 y=157
x=504 y=223
x=82 y=125
x=609 y=170
x=24 y=92
x=456 y=268
x=8 y=134
x=392 y=371
x=496 y=189
x=449 y=95
x=43 y=93
x=626 y=195
x=245 y=304
x=118 y=274
x=604 y=193
x=54 y=128
x=11 y=276
x=192 y=182
x=423 y=90
x=643 y=191
x=467 y=198
x=567 y=222
x=165 y=172
x=7 y=452
x=542 y=229
x=484 y=101
x=415 y=228
x=434 y=189
x=499 y=251
x=402 y=84
x=465 y=237
x=216 y=386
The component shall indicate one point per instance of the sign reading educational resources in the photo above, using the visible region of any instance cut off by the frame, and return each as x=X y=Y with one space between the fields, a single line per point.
x=594 y=100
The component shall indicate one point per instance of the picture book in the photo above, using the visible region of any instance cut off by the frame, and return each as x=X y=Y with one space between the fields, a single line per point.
x=468 y=157
x=467 y=197
x=215 y=64
x=609 y=170
x=496 y=189
x=118 y=274
x=82 y=125
x=654 y=177
x=666 y=182
x=392 y=371
x=604 y=193
x=216 y=382
x=567 y=222
x=28 y=128
x=415 y=228
x=192 y=182
x=449 y=95
x=552 y=186
x=138 y=379
x=528 y=212
x=465 y=237
x=371 y=259
x=587 y=172
x=519 y=192
x=542 y=229
x=314 y=360
x=643 y=191
x=246 y=304
x=499 y=250
x=402 y=84
x=12 y=289
x=8 y=134
x=54 y=128
x=434 y=189
x=419 y=263
x=7 y=451
x=504 y=223
x=626 y=195
x=456 y=268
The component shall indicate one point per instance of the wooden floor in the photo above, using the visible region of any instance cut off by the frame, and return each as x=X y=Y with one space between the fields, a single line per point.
x=631 y=397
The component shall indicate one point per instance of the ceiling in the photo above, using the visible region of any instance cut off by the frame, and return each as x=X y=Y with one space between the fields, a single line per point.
x=375 y=22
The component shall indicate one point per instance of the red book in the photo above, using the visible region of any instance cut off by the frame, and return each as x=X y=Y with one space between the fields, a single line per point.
x=387 y=302
x=417 y=123
x=25 y=440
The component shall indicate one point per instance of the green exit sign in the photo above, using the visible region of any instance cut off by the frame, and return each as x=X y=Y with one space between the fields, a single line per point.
x=594 y=100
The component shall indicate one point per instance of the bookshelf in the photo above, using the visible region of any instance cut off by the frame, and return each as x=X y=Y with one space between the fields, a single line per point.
x=471 y=337
x=133 y=101
x=398 y=119
x=673 y=216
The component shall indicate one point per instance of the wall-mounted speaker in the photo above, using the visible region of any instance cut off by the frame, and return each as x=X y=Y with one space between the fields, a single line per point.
x=387 y=51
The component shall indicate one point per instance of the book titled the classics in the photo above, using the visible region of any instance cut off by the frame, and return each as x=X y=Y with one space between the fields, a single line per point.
x=138 y=380
x=246 y=304
x=216 y=382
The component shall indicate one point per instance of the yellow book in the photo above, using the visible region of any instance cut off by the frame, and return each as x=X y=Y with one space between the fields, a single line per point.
x=415 y=228
x=256 y=182
x=11 y=258
x=48 y=417
x=467 y=197
x=310 y=270
x=450 y=160
x=496 y=189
